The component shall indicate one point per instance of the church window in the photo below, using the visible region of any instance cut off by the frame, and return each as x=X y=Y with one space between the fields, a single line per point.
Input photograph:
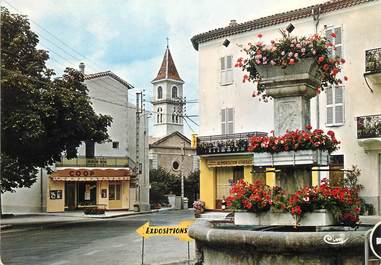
x=159 y=92
x=174 y=92
x=159 y=115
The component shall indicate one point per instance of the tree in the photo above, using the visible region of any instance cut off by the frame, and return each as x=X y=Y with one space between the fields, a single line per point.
x=163 y=183
x=42 y=117
x=192 y=187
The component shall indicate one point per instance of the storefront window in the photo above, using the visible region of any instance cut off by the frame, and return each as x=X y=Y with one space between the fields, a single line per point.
x=114 y=191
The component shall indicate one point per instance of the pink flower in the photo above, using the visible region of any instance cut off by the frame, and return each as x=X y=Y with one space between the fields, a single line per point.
x=333 y=35
x=292 y=61
x=321 y=59
x=259 y=35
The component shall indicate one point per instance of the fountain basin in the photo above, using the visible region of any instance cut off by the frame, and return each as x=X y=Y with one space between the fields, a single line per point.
x=234 y=246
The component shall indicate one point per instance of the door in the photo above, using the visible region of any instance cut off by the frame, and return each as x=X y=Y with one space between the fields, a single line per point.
x=70 y=195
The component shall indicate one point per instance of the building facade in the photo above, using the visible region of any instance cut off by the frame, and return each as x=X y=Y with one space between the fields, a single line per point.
x=106 y=175
x=169 y=148
x=352 y=111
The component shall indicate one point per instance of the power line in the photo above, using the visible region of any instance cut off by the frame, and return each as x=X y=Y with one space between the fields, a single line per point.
x=65 y=51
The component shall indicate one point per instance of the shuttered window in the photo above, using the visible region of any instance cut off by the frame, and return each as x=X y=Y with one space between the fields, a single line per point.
x=335 y=105
x=337 y=42
x=227 y=121
x=226 y=64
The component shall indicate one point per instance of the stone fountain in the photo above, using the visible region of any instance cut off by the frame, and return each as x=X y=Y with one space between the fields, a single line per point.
x=291 y=88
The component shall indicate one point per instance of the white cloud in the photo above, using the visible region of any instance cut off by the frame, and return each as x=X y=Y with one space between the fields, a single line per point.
x=126 y=22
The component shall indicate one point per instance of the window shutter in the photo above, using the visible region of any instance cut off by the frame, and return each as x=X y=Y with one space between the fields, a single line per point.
x=230 y=120
x=339 y=114
x=229 y=60
x=223 y=122
x=338 y=36
x=329 y=96
x=222 y=59
x=329 y=115
x=338 y=95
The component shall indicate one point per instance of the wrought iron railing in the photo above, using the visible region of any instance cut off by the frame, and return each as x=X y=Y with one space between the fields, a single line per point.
x=225 y=143
x=373 y=60
x=369 y=126
x=103 y=161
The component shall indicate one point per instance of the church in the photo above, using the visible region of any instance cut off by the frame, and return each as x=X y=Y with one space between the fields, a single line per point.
x=169 y=148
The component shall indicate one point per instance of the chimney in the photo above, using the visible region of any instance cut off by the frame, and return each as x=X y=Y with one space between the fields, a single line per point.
x=233 y=22
x=82 y=68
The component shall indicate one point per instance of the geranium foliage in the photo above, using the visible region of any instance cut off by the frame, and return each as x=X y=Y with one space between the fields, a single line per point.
x=295 y=140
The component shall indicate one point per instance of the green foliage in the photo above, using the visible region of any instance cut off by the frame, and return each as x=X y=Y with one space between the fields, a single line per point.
x=41 y=117
x=164 y=183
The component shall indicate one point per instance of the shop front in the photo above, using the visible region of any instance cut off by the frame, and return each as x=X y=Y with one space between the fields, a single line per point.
x=76 y=188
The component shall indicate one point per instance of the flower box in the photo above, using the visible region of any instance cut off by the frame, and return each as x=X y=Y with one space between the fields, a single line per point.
x=242 y=217
x=315 y=218
x=301 y=157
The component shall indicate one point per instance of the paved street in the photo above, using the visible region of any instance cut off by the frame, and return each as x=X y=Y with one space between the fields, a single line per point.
x=110 y=241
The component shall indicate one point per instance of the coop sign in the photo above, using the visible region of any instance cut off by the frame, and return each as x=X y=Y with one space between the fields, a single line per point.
x=180 y=231
x=230 y=162
x=81 y=173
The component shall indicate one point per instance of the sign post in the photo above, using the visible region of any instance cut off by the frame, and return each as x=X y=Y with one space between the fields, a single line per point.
x=180 y=231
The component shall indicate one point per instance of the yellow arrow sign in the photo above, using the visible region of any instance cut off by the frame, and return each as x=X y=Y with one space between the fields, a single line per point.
x=180 y=231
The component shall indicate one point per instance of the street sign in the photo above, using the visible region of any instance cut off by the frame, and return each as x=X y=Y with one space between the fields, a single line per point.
x=180 y=231
x=375 y=240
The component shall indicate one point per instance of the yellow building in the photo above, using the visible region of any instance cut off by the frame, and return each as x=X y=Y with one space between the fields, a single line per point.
x=100 y=181
x=224 y=160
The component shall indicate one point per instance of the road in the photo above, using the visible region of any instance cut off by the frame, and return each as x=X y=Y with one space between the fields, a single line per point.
x=110 y=241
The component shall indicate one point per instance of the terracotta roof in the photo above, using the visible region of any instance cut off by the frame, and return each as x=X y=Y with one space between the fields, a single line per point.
x=272 y=20
x=110 y=74
x=168 y=69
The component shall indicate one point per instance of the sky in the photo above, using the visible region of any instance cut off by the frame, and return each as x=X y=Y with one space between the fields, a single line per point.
x=129 y=37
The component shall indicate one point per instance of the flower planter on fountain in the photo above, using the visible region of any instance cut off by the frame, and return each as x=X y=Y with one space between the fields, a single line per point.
x=302 y=157
x=316 y=218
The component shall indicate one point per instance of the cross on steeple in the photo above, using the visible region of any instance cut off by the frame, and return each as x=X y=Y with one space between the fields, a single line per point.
x=167 y=42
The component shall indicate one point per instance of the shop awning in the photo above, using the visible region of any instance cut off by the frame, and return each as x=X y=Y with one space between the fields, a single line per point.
x=91 y=174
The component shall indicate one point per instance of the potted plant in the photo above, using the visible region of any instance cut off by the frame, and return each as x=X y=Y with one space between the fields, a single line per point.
x=271 y=62
x=199 y=207
x=249 y=202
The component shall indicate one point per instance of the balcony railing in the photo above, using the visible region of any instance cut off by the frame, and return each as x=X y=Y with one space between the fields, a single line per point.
x=104 y=161
x=225 y=143
x=369 y=126
x=373 y=60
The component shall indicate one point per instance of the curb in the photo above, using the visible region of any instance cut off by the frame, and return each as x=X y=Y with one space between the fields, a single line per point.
x=36 y=225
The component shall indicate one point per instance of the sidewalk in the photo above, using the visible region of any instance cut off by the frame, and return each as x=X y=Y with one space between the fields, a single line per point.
x=52 y=219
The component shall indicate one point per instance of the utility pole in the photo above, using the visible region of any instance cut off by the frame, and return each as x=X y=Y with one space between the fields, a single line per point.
x=182 y=175
x=139 y=110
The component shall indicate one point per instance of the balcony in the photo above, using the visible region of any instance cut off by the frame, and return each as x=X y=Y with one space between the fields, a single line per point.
x=373 y=66
x=369 y=131
x=225 y=143
x=99 y=161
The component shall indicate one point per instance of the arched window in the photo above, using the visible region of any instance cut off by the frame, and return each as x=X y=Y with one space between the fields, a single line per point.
x=159 y=92
x=174 y=92
x=173 y=117
x=159 y=116
x=177 y=118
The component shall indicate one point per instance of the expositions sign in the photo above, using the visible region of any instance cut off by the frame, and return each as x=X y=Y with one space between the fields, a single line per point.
x=180 y=231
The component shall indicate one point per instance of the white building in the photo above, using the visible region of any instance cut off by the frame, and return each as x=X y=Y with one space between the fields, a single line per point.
x=103 y=174
x=226 y=104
